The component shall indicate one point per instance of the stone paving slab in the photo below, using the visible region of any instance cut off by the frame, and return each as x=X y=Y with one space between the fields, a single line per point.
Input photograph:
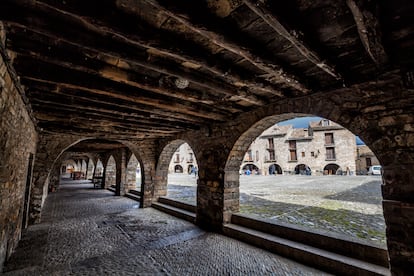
x=347 y=205
x=85 y=231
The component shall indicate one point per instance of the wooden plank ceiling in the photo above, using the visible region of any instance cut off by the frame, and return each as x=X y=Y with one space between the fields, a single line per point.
x=151 y=69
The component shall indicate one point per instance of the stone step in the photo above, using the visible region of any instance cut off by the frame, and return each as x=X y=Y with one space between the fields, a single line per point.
x=320 y=239
x=312 y=256
x=178 y=204
x=135 y=192
x=133 y=196
x=177 y=212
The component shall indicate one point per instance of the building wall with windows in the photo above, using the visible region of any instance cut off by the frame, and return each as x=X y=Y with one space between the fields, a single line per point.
x=365 y=159
x=323 y=148
x=183 y=160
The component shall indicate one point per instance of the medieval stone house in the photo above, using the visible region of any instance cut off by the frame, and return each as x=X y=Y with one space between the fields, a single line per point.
x=323 y=148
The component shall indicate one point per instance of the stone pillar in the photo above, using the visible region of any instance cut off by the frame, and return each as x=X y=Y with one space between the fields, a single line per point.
x=398 y=205
x=148 y=180
x=210 y=188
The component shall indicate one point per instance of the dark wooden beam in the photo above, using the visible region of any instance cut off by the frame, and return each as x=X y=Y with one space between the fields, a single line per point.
x=85 y=94
x=273 y=72
x=259 y=9
x=369 y=31
x=61 y=104
x=69 y=77
x=184 y=63
x=67 y=98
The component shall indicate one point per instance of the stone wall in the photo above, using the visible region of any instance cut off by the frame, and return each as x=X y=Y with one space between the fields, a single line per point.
x=18 y=139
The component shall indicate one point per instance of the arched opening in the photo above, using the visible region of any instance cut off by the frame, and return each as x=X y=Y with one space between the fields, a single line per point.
x=134 y=175
x=99 y=168
x=275 y=169
x=249 y=169
x=178 y=169
x=315 y=203
x=331 y=169
x=177 y=178
x=302 y=169
x=90 y=169
x=110 y=173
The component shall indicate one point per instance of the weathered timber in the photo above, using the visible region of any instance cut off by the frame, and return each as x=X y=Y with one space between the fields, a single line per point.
x=78 y=80
x=273 y=22
x=108 y=33
x=369 y=32
x=275 y=71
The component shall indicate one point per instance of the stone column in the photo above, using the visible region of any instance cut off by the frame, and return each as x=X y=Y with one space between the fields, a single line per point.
x=398 y=205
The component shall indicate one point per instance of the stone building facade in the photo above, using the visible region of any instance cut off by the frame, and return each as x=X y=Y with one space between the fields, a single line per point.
x=323 y=148
x=365 y=159
x=183 y=160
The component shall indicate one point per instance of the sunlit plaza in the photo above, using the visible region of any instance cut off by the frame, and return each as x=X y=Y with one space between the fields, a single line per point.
x=345 y=205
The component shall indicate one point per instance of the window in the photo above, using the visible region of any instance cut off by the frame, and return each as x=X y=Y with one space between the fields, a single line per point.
x=249 y=155
x=257 y=155
x=368 y=161
x=325 y=122
x=271 y=143
x=190 y=157
x=303 y=154
x=272 y=155
x=329 y=139
x=177 y=158
x=292 y=144
x=330 y=153
x=312 y=154
x=293 y=156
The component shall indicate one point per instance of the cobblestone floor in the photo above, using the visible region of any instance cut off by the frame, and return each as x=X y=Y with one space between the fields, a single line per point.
x=86 y=231
x=346 y=205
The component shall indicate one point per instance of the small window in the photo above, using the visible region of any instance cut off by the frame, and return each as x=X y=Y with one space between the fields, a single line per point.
x=293 y=156
x=303 y=154
x=325 y=122
x=312 y=154
x=330 y=154
x=329 y=139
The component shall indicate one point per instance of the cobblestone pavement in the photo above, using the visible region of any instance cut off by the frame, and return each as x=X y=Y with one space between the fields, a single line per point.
x=86 y=231
x=346 y=205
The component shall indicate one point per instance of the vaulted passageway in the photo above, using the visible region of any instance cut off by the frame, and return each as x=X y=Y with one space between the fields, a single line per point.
x=84 y=230
x=145 y=76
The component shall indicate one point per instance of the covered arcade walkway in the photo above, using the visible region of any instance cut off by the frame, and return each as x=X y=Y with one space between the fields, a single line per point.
x=87 y=231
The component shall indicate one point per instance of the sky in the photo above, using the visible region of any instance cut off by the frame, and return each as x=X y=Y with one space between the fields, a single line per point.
x=304 y=121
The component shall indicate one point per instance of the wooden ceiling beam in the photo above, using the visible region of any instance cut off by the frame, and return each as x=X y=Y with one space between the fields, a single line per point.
x=45 y=44
x=69 y=99
x=107 y=32
x=112 y=114
x=259 y=9
x=94 y=120
x=273 y=72
x=369 y=31
x=155 y=113
x=69 y=77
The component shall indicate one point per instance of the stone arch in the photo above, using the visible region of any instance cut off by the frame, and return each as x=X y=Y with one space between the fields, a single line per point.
x=275 y=169
x=331 y=169
x=99 y=168
x=90 y=168
x=250 y=168
x=133 y=173
x=163 y=164
x=110 y=172
x=178 y=169
x=302 y=169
